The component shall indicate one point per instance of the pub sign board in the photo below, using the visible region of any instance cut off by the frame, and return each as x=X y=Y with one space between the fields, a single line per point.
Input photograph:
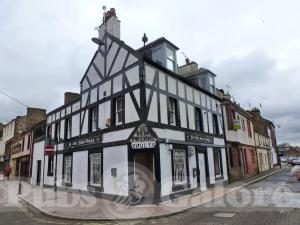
x=83 y=141
x=198 y=137
x=142 y=139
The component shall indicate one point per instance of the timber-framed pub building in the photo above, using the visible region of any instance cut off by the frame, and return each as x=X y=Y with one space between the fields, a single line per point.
x=142 y=129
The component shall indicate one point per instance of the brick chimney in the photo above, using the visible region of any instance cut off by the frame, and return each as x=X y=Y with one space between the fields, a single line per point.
x=111 y=24
x=71 y=97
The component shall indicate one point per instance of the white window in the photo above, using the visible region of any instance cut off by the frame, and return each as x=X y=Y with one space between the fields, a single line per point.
x=68 y=169
x=119 y=110
x=172 y=111
x=68 y=128
x=171 y=59
x=179 y=162
x=95 y=169
x=243 y=125
x=217 y=163
x=94 y=119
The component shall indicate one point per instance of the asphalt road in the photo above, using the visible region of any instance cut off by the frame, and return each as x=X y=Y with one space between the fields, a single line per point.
x=274 y=200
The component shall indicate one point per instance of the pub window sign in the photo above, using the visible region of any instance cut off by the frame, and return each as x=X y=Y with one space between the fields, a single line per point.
x=142 y=139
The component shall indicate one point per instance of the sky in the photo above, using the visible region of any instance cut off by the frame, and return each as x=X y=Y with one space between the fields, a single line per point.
x=252 y=46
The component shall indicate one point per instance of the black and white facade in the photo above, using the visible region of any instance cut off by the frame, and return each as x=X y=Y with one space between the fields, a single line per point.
x=139 y=129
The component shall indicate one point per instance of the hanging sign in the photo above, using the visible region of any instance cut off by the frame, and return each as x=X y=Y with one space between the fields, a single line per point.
x=142 y=139
x=236 y=124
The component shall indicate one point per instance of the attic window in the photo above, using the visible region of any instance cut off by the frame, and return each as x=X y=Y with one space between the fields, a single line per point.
x=158 y=55
x=171 y=59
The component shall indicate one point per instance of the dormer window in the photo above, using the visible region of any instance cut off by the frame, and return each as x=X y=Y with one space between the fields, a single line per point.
x=171 y=59
x=162 y=52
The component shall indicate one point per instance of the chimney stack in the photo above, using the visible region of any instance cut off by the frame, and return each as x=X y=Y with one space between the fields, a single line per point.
x=71 y=97
x=111 y=24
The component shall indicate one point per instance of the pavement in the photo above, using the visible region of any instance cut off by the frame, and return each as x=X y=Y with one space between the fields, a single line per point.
x=272 y=200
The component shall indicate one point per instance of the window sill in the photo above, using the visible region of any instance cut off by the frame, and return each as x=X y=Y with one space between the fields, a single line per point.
x=66 y=184
x=95 y=188
x=50 y=174
x=179 y=187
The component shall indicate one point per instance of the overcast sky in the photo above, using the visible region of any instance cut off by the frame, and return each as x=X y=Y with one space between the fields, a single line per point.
x=253 y=46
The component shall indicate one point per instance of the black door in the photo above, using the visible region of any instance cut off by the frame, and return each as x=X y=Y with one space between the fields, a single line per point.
x=38 y=175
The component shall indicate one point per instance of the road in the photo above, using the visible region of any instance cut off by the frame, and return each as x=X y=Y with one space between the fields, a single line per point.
x=274 y=200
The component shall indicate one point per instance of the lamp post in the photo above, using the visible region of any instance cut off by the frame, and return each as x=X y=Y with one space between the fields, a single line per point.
x=55 y=173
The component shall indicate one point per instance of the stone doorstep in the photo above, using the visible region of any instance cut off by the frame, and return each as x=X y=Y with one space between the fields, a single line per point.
x=155 y=208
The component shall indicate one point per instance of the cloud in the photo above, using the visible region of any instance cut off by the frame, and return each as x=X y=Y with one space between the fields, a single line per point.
x=257 y=79
x=45 y=48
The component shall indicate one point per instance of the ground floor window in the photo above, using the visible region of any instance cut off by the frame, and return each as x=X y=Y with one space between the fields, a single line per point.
x=68 y=169
x=50 y=165
x=217 y=163
x=179 y=162
x=95 y=169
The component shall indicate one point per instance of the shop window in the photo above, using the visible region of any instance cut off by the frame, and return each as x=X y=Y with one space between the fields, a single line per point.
x=67 y=169
x=50 y=165
x=95 y=169
x=179 y=162
x=217 y=164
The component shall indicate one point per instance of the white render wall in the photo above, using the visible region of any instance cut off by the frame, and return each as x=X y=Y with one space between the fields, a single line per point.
x=239 y=135
x=80 y=170
x=166 y=170
x=190 y=95
x=115 y=157
x=211 y=167
x=193 y=164
x=48 y=180
x=38 y=154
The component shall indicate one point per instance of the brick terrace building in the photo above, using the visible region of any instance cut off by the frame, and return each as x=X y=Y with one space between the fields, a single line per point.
x=240 y=142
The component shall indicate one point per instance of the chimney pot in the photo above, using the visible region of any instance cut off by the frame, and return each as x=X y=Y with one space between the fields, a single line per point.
x=187 y=60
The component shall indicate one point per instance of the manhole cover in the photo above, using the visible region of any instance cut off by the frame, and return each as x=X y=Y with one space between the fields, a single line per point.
x=225 y=215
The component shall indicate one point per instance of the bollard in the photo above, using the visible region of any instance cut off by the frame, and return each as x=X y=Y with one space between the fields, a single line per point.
x=20 y=188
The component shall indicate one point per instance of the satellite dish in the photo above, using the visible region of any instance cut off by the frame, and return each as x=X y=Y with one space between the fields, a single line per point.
x=97 y=41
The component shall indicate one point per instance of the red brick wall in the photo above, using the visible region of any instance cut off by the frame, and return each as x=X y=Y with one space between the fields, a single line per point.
x=242 y=161
x=250 y=161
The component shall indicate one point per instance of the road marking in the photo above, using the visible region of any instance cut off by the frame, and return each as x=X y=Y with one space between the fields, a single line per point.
x=225 y=215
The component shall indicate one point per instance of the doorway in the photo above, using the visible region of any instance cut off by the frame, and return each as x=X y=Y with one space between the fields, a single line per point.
x=144 y=176
x=38 y=173
x=202 y=171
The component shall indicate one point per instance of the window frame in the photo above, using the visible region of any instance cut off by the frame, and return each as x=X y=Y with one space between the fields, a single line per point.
x=175 y=112
x=184 y=169
x=218 y=176
x=90 y=183
x=66 y=182
x=57 y=131
x=49 y=131
x=68 y=128
x=50 y=167
x=216 y=129
x=199 y=120
x=249 y=129
x=28 y=141
x=121 y=110
x=93 y=120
